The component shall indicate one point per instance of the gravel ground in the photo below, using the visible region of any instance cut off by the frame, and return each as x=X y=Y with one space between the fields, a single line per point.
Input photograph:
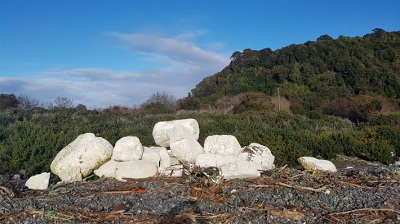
x=367 y=194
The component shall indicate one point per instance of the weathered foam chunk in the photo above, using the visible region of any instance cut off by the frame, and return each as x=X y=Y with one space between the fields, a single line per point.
x=173 y=159
x=165 y=160
x=173 y=171
x=311 y=163
x=127 y=149
x=107 y=169
x=260 y=155
x=214 y=160
x=222 y=144
x=79 y=158
x=151 y=154
x=240 y=169
x=183 y=144
x=161 y=129
x=69 y=173
x=135 y=169
x=127 y=169
x=38 y=182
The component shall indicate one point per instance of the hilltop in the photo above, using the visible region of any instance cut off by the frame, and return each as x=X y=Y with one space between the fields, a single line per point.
x=326 y=75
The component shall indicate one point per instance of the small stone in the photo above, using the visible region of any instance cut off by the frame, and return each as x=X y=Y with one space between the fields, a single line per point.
x=16 y=177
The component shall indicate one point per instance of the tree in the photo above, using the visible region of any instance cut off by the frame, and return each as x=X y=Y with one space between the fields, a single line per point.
x=378 y=32
x=323 y=70
x=162 y=98
x=324 y=37
x=25 y=102
x=63 y=102
x=235 y=56
x=250 y=101
x=81 y=108
x=8 y=101
x=356 y=108
x=188 y=103
x=295 y=74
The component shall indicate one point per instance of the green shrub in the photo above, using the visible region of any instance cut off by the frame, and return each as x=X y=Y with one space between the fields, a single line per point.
x=297 y=108
x=157 y=108
x=391 y=119
x=28 y=146
x=372 y=147
x=188 y=103
x=391 y=135
x=31 y=140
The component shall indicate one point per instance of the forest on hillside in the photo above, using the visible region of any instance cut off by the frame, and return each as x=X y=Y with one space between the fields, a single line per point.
x=321 y=98
x=327 y=75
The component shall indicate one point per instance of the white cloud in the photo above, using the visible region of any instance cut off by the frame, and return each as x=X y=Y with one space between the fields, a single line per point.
x=188 y=36
x=92 y=74
x=181 y=64
x=176 y=51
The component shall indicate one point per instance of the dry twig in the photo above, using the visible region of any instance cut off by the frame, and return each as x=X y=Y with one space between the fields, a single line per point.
x=362 y=214
x=6 y=191
x=321 y=189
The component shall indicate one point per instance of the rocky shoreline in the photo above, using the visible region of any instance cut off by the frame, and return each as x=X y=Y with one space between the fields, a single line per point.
x=367 y=193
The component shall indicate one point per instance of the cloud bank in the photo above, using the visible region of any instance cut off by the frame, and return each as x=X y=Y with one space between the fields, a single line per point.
x=176 y=65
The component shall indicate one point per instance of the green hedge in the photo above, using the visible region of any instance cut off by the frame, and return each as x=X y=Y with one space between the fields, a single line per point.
x=31 y=139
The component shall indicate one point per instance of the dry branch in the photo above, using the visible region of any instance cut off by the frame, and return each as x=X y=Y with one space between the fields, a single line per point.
x=322 y=189
x=6 y=191
x=372 y=214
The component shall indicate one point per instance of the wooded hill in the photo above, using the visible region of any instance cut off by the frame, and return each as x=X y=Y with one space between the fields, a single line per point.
x=323 y=75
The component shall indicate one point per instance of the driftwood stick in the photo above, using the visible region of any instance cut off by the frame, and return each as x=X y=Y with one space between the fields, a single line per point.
x=365 y=210
x=4 y=190
x=291 y=186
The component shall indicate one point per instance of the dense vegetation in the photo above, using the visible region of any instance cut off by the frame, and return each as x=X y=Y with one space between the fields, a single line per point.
x=356 y=79
x=321 y=76
x=30 y=139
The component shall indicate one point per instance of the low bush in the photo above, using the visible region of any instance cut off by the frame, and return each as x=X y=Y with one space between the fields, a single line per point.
x=31 y=139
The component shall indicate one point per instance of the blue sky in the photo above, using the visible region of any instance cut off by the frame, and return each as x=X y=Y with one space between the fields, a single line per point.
x=104 y=53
